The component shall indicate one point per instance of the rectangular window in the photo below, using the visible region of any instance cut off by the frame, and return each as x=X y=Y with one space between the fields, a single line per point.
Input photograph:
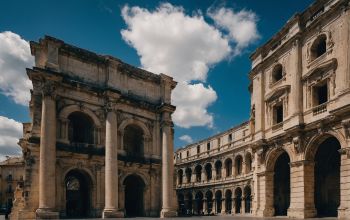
x=198 y=149
x=320 y=94
x=208 y=146
x=188 y=153
x=278 y=113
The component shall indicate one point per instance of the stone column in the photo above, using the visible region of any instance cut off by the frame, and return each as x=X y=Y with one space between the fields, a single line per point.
x=167 y=168
x=47 y=173
x=233 y=205
x=243 y=205
x=213 y=173
x=266 y=208
x=223 y=206
x=205 y=206
x=111 y=168
x=203 y=176
x=302 y=190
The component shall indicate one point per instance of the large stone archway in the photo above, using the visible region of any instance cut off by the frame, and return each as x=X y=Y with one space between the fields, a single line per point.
x=327 y=178
x=78 y=187
x=281 y=183
x=134 y=196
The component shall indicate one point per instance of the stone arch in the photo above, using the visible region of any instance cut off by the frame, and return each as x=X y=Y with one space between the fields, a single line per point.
x=277 y=73
x=218 y=169
x=238 y=164
x=273 y=155
x=138 y=125
x=82 y=169
x=66 y=111
x=238 y=199
x=209 y=201
x=208 y=171
x=218 y=200
x=315 y=141
x=78 y=193
x=188 y=174
x=141 y=175
x=247 y=193
x=199 y=196
x=134 y=195
x=181 y=203
x=248 y=159
x=228 y=201
x=228 y=167
x=132 y=121
x=198 y=171
x=318 y=46
x=323 y=150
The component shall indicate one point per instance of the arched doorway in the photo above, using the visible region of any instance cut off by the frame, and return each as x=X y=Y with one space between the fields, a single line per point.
x=228 y=167
x=247 y=199
x=218 y=167
x=238 y=200
x=208 y=171
x=134 y=189
x=209 y=198
x=238 y=165
x=188 y=173
x=327 y=178
x=281 y=184
x=228 y=201
x=218 y=198
x=181 y=204
x=199 y=203
x=78 y=191
x=188 y=203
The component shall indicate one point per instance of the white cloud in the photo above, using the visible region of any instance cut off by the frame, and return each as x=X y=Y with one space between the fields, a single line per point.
x=192 y=102
x=241 y=26
x=10 y=132
x=183 y=46
x=15 y=56
x=186 y=138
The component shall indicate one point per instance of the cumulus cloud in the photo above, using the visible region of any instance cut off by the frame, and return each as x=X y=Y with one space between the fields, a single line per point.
x=186 y=138
x=183 y=46
x=10 y=132
x=14 y=58
x=241 y=26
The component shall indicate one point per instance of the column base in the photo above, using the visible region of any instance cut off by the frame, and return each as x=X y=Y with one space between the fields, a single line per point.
x=301 y=213
x=46 y=214
x=112 y=213
x=168 y=213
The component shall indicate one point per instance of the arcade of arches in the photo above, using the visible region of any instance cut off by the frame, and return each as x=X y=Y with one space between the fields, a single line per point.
x=281 y=178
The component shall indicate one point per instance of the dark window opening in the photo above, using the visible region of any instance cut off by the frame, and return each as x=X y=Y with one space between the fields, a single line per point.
x=80 y=128
x=277 y=73
x=198 y=149
x=319 y=47
x=208 y=146
x=320 y=94
x=278 y=114
x=133 y=141
x=229 y=137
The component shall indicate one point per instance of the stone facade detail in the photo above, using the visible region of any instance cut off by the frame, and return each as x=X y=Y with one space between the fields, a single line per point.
x=292 y=156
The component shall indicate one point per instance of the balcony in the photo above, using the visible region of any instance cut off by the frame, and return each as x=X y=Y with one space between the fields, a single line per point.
x=319 y=109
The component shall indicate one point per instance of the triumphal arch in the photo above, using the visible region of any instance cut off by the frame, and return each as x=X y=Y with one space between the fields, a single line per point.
x=100 y=143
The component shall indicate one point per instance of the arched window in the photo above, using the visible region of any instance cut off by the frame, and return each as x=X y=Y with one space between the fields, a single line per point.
x=198 y=171
x=188 y=173
x=218 y=167
x=180 y=176
x=248 y=163
x=228 y=167
x=238 y=164
x=318 y=47
x=208 y=171
x=80 y=128
x=133 y=140
x=277 y=73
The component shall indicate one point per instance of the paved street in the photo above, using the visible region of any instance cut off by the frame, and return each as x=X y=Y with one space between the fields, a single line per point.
x=229 y=218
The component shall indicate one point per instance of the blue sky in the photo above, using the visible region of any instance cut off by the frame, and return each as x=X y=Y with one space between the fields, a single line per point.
x=97 y=25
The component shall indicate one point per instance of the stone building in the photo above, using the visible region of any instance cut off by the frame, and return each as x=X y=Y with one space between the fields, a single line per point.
x=101 y=138
x=11 y=176
x=292 y=157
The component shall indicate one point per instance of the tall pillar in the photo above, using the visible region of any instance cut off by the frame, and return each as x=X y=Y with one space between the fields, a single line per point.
x=203 y=176
x=167 y=167
x=205 y=206
x=223 y=206
x=47 y=173
x=302 y=190
x=111 y=168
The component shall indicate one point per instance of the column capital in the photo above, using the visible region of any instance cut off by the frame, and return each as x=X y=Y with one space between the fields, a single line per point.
x=301 y=162
x=48 y=89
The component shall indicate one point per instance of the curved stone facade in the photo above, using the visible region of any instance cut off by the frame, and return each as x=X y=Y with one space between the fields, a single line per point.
x=293 y=155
